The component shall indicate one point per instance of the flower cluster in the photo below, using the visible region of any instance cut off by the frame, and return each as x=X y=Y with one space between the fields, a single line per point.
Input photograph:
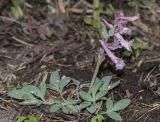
x=119 y=41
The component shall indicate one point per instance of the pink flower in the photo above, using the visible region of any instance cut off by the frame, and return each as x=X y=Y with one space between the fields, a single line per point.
x=120 y=24
x=121 y=21
x=118 y=61
x=119 y=42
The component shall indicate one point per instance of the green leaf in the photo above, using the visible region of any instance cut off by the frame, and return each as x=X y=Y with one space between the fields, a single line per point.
x=16 y=10
x=15 y=93
x=85 y=96
x=70 y=109
x=106 y=80
x=104 y=32
x=109 y=104
x=101 y=94
x=97 y=24
x=75 y=82
x=70 y=102
x=84 y=105
x=55 y=106
x=26 y=93
x=96 y=4
x=63 y=82
x=20 y=118
x=28 y=90
x=42 y=91
x=27 y=119
x=92 y=109
x=93 y=119
x=54 y=78
x=96 y=86
x=54 y=87
x=73 y=102
x=29 y=99
x=139 y=46
x=88 y=20
x=113 y=85
x=19 y=93
x=104 y=88
x=122 y=104
x=54 y=81
x=97 y=118
x=114 y=115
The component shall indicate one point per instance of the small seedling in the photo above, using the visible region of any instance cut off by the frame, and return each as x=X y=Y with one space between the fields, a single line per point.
x=16 y=11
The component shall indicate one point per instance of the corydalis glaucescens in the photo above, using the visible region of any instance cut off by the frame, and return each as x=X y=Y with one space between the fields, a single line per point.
x=119 y=41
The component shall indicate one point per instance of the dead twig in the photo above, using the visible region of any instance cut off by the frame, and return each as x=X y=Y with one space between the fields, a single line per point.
x=144 y=61
x=3 y=18
x=61 y=6
x=22 y=42
x=79 y=11
x=157 y=106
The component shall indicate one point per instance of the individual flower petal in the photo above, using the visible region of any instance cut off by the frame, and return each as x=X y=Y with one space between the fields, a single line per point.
x=107 y=23
x=114 y=45
x=126 y=30
x=121 y=20
x=120 y=65
x=118 y=62
x=120 y=24
x=123 y=42
x=133 y=18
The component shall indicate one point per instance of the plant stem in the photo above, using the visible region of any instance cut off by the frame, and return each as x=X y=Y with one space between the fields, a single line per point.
x=100 y=60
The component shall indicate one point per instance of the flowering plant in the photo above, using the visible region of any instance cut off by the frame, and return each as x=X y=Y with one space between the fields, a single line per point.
x=117 y=31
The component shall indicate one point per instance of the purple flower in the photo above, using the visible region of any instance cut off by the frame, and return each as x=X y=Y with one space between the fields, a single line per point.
x=118 y=61
x=120 y=24
x=119 y=41
x=121 y=21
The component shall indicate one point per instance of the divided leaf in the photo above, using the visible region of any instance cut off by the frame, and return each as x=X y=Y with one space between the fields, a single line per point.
x=19 y=93
x=58 y=84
